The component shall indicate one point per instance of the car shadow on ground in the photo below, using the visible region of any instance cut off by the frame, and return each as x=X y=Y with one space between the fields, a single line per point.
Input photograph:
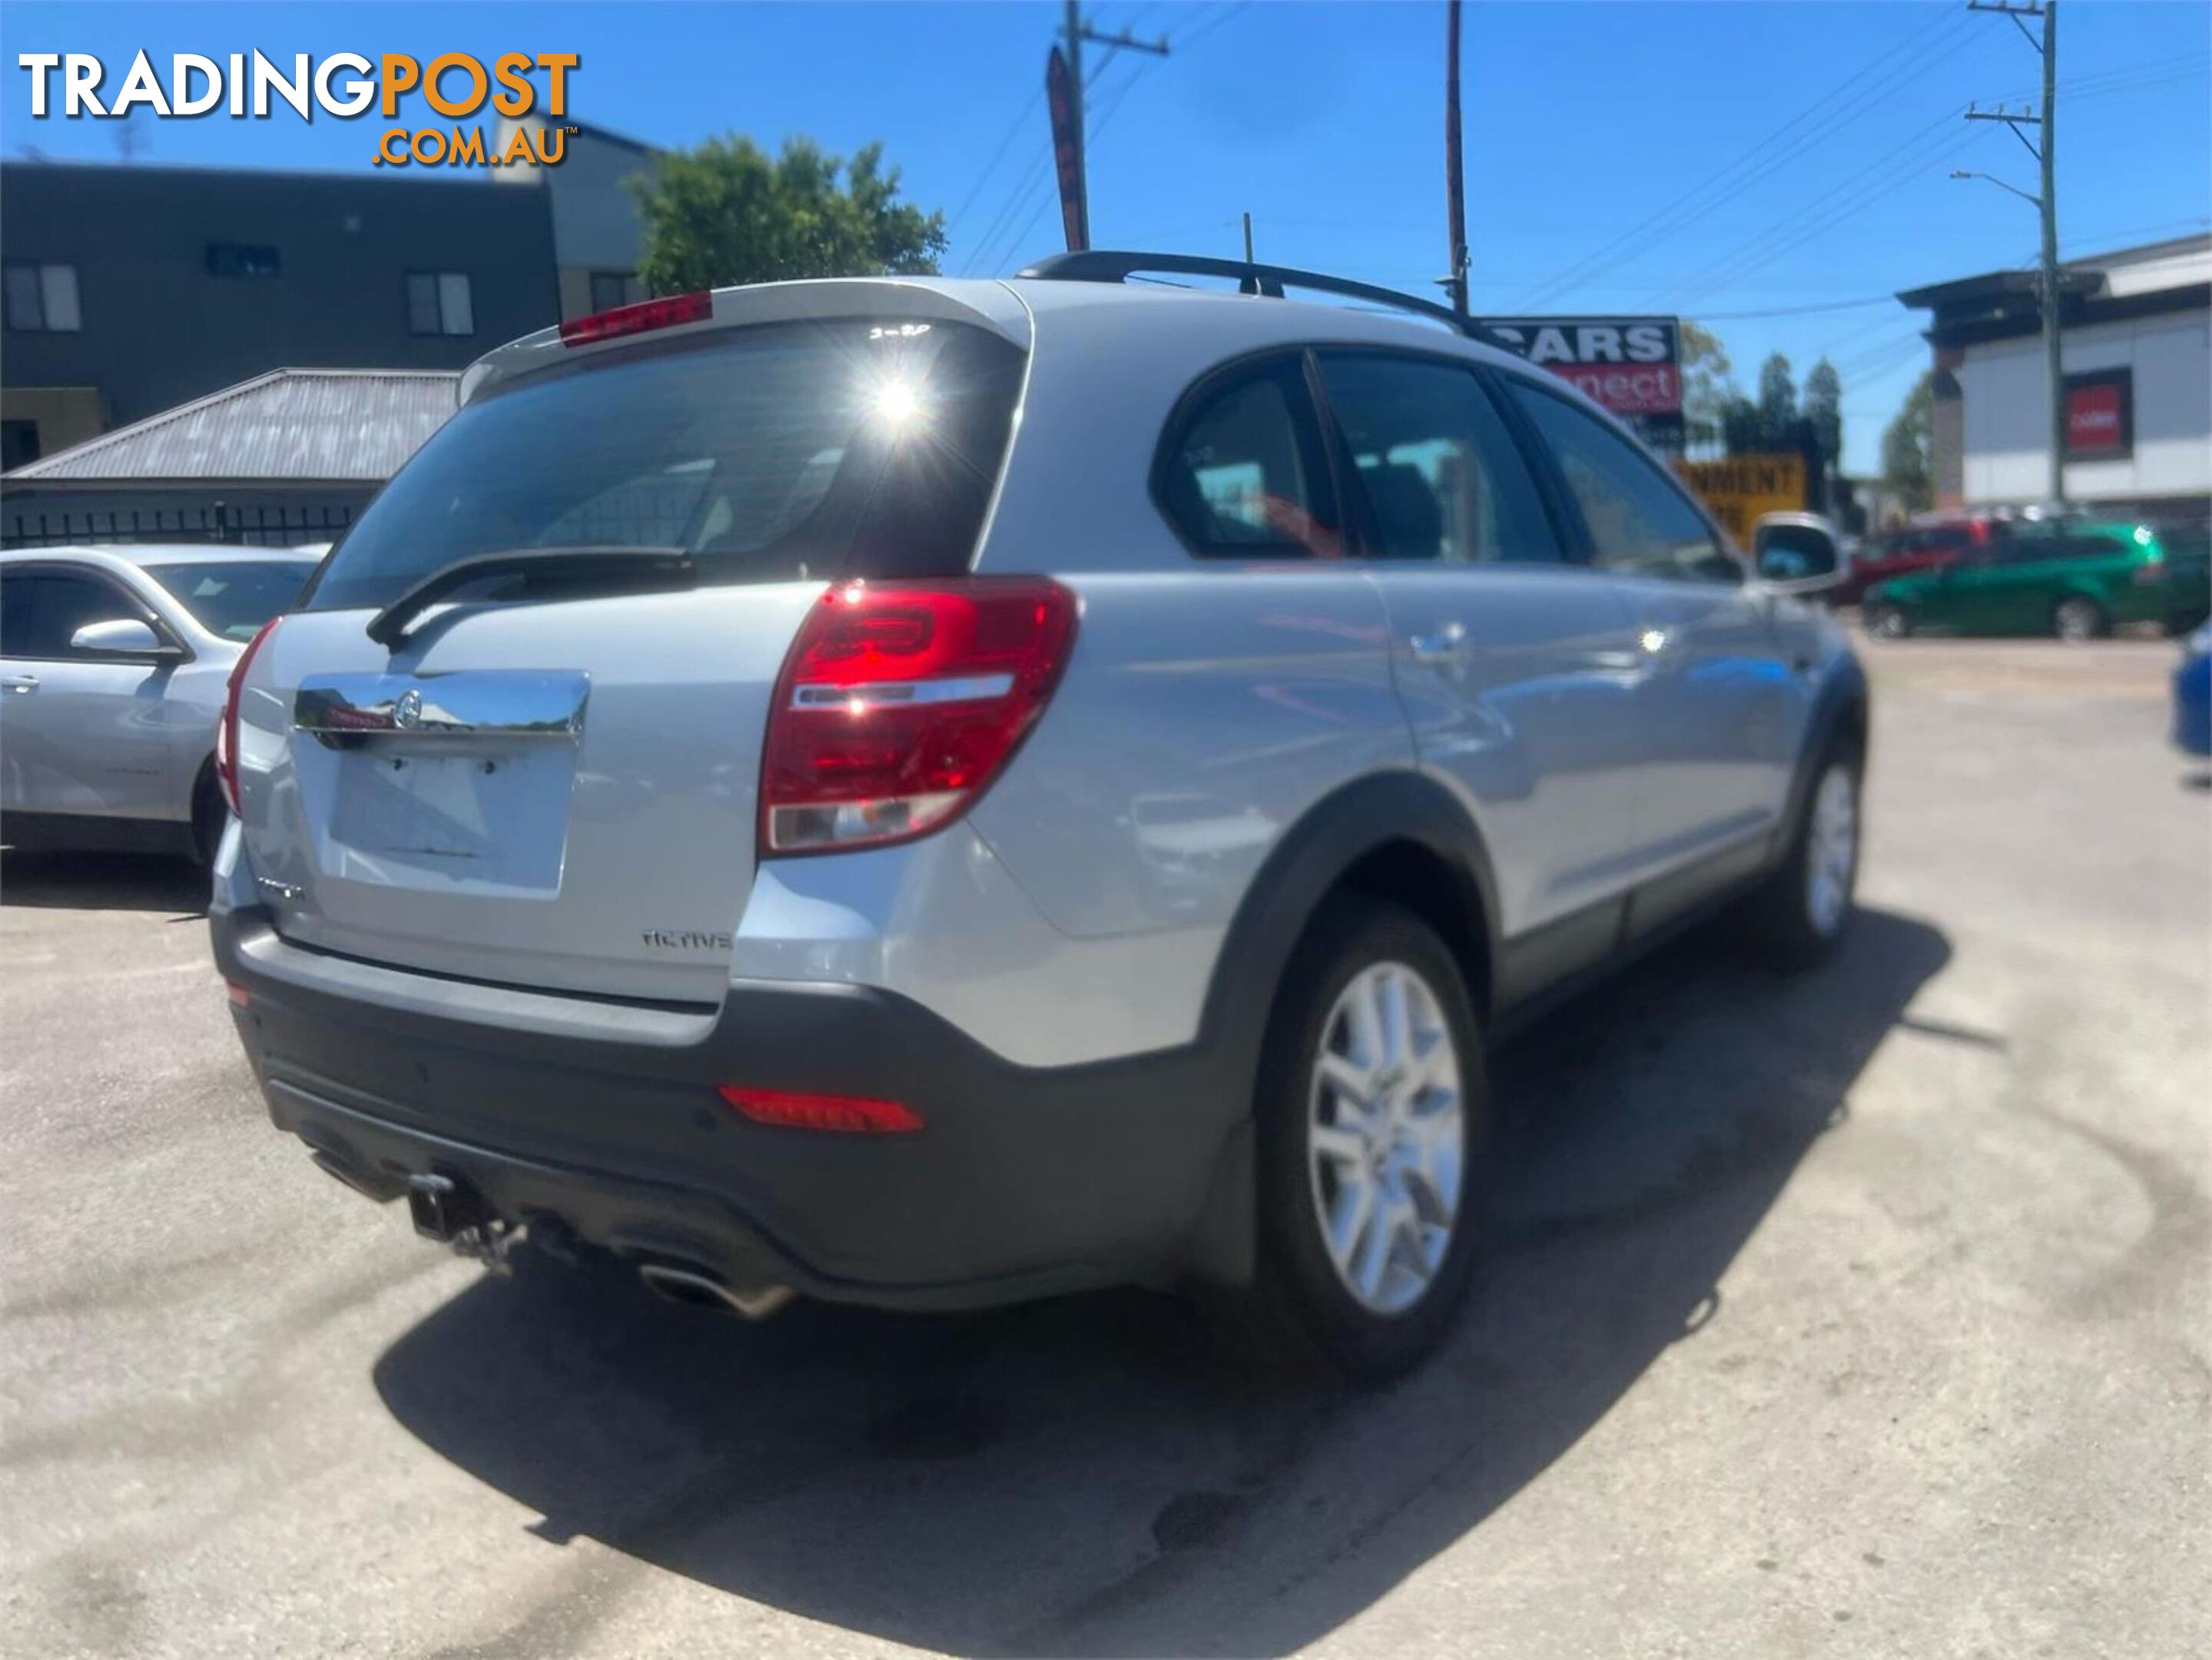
x=1094 y=1475
x=103 y=881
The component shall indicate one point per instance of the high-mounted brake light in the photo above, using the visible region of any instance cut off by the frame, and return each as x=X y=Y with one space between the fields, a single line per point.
x=899 y=704
x=859 y=1114
x=642 y=318
x=225 y=732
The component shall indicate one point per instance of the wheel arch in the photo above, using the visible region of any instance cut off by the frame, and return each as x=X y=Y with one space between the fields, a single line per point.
x=1841 y=710
x=1399 y=835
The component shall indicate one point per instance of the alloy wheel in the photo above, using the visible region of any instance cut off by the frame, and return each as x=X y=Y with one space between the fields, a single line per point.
x=1831 y=849
x=1386 y=1137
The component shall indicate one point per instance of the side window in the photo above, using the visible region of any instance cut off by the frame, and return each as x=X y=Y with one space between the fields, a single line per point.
x=1639 y=520
x=45 y=608
x=1441 y=477
x=1243 y=475
x=19 y=615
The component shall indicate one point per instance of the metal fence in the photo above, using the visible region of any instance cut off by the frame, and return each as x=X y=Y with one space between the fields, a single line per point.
x=49 y=524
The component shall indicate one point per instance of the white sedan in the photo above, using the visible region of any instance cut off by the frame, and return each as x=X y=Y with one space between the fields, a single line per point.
x=113 y=664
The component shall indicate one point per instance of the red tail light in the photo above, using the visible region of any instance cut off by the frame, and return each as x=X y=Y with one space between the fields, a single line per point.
x=642 y=318
x=226 y=734
x=898 y=705
x=852 y=1113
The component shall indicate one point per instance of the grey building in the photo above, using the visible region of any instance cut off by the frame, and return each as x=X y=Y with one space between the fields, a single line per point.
x=131 y=290
x=287 y=456
x=597 y=230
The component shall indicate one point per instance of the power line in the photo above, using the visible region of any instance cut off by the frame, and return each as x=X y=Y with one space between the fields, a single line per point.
x=1680 y=212
x=1815 y=217
x=997 y=155
x=1097 y=130
x=1796 y=311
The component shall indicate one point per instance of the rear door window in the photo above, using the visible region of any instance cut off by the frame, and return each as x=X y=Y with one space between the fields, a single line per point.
x=1439 y=475
x=1243 y=474
x=830 y=449
x=1639 y=520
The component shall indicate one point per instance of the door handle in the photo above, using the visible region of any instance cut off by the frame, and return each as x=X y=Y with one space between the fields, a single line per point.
x=1441 y=647
x=19 y=684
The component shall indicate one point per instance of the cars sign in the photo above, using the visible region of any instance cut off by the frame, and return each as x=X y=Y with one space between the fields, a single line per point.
x=1629 y=365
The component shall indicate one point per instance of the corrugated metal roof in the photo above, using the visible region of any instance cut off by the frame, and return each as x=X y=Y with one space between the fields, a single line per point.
x=292 y=425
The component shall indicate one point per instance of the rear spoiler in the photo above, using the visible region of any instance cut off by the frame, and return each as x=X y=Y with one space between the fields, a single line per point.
x=988 y=305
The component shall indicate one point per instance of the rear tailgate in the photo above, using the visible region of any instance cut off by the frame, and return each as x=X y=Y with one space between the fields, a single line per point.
x=567 y=799
x=555 y=786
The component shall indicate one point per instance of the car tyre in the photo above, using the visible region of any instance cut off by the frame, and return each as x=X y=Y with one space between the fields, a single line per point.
x=1371 y=1082
x=1799 y=915
x=211 y=816
x=1889 y=622
x=2077 y=618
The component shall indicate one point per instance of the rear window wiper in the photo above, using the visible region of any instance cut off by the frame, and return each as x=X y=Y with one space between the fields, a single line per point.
x=614 y=563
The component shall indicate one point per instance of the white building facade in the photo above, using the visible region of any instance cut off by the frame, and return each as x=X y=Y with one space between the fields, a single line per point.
x=2135 y=346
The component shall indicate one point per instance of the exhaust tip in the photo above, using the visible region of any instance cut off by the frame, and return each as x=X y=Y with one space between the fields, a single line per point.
x=675 y=1283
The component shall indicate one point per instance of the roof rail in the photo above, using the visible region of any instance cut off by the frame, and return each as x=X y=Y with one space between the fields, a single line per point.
x=1112 y=266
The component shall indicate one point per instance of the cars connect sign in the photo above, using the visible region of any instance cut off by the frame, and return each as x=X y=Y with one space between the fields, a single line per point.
x=1630 y=365
x=341 y=85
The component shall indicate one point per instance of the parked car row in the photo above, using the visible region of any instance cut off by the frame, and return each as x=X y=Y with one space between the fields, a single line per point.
x=2073 y=578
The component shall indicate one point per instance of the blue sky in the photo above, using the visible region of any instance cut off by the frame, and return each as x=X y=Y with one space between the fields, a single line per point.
x=1707 y=159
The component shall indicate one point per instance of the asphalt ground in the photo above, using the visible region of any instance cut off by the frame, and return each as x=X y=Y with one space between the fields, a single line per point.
x=1864 y=1313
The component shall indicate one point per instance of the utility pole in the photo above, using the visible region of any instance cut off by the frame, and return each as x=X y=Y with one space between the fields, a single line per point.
x=2046 y=204
x=1248 y=239
x=1077 y=32
x=1455 y=183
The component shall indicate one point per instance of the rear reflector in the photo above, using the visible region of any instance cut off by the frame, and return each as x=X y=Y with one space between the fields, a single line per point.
x=226 y=732
x=850 y=1113
x=239 y=994
x=642 y=318
x=900 y=702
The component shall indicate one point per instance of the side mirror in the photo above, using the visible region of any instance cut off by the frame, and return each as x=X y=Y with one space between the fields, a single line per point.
x=1797 y=554
x=125 y=637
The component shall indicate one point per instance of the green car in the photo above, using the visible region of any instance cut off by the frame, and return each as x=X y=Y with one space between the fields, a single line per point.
x=2074 y=579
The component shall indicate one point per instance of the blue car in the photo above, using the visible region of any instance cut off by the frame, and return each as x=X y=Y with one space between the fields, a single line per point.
x=2193 y=694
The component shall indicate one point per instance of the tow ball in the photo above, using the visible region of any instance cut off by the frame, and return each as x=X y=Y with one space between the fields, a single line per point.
x=450 y=1212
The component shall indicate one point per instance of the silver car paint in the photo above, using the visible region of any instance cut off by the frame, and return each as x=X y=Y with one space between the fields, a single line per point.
x=1080 y=908
x=124 y=740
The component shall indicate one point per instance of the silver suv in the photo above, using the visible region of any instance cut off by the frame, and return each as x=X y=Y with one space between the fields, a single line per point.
x=928 y=794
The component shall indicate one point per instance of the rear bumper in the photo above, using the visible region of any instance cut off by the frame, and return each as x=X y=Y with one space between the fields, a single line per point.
x=1026 y=1180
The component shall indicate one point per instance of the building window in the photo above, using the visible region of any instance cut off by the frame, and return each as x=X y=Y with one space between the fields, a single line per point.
x=19 y=444
x=438 y=303
x=610 y=289
x=42 y=298
x=242 y=259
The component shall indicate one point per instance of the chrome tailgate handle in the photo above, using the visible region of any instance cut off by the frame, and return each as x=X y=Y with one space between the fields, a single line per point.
x=534 y=704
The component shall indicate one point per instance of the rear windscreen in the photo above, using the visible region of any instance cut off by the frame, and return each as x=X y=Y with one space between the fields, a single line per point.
x=828 y=449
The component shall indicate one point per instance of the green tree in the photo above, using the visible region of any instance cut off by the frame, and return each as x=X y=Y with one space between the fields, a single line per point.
x=1908 y=465
x=1824 y=408
x=1777 y=401
x=728 y=212
x=1708 y=384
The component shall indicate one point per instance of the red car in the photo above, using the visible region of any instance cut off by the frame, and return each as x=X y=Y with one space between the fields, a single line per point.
x=1912 y=548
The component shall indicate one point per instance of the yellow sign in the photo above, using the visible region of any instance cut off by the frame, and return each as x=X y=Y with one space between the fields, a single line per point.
x=1739 y=489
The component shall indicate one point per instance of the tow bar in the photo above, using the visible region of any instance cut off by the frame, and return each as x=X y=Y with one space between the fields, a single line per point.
x=446 y=1210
